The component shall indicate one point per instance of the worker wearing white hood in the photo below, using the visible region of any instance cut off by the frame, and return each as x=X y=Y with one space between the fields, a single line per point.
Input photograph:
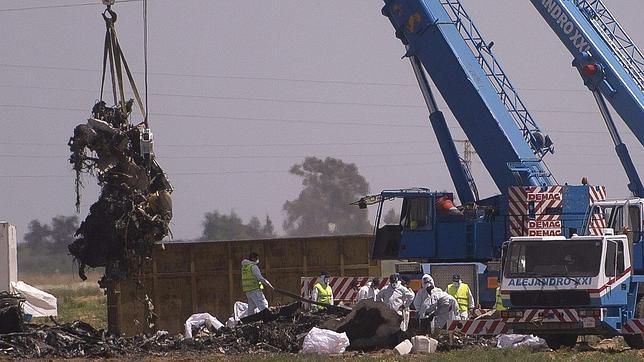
x=432 y=302
x=253 y=282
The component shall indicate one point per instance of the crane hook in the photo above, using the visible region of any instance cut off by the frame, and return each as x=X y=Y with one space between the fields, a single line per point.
x=109 y=19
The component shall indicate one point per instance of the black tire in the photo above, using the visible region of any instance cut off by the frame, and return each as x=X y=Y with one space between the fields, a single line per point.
x=556 y=341
x=636 y=341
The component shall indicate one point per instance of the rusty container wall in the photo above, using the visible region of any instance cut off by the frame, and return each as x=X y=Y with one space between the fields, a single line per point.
x=195 y=277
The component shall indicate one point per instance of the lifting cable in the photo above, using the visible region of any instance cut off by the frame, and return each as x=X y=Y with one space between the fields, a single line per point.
x=145 y=59
x=117 y=63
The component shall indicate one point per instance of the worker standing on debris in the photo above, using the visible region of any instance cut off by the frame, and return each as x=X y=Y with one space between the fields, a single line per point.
x=253 y=282
x=397 y=297
x=422 y=294
x=419 y=299
x=322 y=291
x=435 y=305
x=463 y=295
x=369 y=290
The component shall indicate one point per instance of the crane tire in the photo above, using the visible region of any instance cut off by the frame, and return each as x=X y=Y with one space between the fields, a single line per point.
x=636 y=341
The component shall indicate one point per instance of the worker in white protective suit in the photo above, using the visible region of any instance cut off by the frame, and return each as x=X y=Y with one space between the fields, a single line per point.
x=369 y=290
x=422 y=294
x=437 y=306
x=424 y=323
x=397 y=297
x=253 y=282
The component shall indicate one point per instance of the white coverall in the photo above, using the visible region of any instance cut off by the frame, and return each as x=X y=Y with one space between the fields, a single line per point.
x=398 y=298
x=422 y=294
x=367 y=291
x=256 y=299
x=443 y=305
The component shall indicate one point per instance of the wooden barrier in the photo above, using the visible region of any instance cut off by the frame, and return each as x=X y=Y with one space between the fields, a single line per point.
x=184 y=278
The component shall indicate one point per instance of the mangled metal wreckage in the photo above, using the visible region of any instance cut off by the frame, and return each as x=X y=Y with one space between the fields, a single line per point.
x=134 y=208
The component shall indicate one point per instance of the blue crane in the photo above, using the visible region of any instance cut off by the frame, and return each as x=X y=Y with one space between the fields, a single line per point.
x=443 y=43
x=610 y=64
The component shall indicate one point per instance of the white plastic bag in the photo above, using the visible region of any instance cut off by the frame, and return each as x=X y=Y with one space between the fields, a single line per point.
x=518 y=340
x=201 y=319
x=37 y=303
x=324 y=341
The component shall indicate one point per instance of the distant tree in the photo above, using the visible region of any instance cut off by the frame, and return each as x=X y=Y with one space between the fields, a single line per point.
x=218 y=226
x=37 y=234
x=55 y=236
x=63 y=229
x=45 y=246
x=391 y=217
x=323 y=206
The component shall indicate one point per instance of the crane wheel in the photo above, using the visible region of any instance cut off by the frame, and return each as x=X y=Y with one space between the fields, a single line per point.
x=636 y=341
x=556 y=341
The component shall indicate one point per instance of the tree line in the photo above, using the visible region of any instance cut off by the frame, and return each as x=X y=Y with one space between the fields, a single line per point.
x=322 y=208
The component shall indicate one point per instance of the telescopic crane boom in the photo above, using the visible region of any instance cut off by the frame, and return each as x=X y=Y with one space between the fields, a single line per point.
x=610 y=64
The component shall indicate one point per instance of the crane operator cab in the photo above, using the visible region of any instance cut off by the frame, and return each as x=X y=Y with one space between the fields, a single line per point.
x=620 y=217
x=421 y=224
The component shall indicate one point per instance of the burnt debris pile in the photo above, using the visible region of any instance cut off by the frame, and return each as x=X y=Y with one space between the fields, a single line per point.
x=369 y=328
x=11 y=315
x=370 y=325
x=134 y=207
x=78 y=339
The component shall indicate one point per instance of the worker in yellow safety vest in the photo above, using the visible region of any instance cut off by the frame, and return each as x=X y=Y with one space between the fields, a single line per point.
x=322 y=292
x=499 y=301
x=463 y=295
x=253 y=282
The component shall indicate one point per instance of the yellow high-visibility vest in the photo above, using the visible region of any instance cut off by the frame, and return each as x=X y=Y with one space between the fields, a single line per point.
x=324 y=294
x=461 y=295
x=248 y=280
x=499 y=301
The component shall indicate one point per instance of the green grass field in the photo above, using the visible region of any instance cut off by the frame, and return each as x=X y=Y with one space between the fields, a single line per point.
x=78 y=300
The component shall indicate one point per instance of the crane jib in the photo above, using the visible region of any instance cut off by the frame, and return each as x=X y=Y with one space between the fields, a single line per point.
x=567 y=26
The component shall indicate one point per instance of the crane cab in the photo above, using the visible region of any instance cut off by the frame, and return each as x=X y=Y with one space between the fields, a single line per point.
x=430 y=228
x=620 y=217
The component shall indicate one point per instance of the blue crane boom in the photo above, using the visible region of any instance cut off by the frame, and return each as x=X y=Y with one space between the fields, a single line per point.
x=443 y=43
x=610 y=64
x=442 y=38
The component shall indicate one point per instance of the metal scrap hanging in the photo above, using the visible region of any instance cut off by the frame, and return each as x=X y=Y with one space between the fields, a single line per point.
x=134 y=207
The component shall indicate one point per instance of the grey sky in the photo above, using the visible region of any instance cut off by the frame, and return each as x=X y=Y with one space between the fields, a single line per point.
x=241 y=90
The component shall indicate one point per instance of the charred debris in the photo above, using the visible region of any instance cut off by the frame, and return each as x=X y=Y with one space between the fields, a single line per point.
x=370 y=327
x=134 y=208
